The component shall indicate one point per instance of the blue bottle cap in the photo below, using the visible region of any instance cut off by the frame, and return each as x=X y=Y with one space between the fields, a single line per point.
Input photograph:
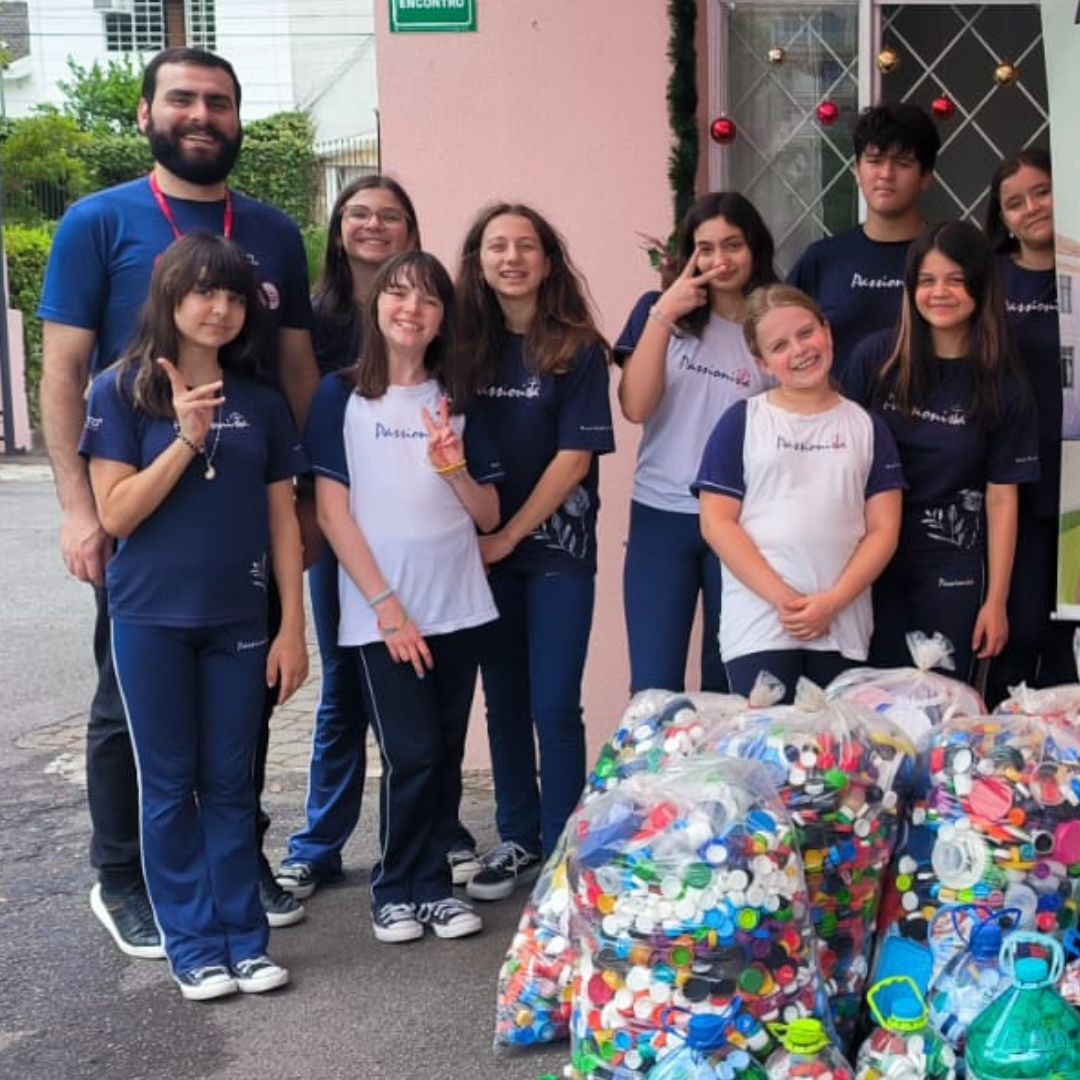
x=986 y=941
x=906 y=1008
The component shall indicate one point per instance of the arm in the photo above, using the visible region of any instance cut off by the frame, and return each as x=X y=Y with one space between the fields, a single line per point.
x=446 y=452
x=286 y=661
x=722 y=532
x=400 y=633
x=480 y=500
x=991 y=624
x=565 y=471
x=127 y=496
x=641 y=387
x=84 y=544
x=809 y=616
x=299 y=371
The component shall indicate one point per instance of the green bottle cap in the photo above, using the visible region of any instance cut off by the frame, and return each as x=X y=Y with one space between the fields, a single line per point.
x=805 y=1036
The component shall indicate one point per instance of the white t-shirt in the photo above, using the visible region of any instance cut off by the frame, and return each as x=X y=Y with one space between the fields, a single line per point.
x=702 y=378
x=803 y=481
x=422 y=537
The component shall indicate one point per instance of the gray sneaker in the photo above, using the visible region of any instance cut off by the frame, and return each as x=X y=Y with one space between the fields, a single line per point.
x=126 y=913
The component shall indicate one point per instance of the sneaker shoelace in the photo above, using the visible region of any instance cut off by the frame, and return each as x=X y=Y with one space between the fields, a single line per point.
x=446 y=909
x=391 y=913
x=252 y=966
x=198 y=974
x=505 y=856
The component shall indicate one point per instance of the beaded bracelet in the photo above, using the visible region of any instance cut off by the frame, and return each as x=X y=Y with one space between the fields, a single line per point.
x=192 y=446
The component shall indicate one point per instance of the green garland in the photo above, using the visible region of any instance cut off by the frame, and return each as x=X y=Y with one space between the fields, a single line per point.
x=682 y=101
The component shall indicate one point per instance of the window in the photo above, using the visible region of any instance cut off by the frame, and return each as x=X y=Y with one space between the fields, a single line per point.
x=1065 y=294
x=200 y=23
x=143 y=30
x=1067 y=356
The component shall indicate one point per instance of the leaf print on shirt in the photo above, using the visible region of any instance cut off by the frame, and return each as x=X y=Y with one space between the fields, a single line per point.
x=567 y=529
x=958 y=523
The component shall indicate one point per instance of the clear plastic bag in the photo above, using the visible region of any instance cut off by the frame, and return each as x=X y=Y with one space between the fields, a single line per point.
x=806 y=1051
x=994 y=820
x=903 y=1045
x=688 y=890
x=915 y=698
x=707 y=1052
x=843 y=772
x=533 y=995
x=1061 y=703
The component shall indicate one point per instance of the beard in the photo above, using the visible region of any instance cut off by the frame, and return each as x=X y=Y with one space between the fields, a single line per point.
x=167 y=151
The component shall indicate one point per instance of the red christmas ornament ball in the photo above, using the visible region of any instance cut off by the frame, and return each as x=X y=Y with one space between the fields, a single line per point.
x=723 y=130
x=942 y=107
x=827 y=113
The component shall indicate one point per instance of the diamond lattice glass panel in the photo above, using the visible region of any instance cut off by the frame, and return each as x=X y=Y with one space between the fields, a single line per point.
x=952 y=51
x=794 y=169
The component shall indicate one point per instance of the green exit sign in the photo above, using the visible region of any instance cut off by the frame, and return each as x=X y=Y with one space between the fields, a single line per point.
x=432 y=16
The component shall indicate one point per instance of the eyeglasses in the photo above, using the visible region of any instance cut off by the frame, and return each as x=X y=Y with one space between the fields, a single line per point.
x=364 y=214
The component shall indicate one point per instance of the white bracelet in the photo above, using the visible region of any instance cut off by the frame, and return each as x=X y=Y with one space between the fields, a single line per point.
x=666 y=323
x=374 y=601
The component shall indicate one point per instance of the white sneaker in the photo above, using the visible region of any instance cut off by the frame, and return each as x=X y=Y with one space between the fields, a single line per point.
x=395 y=923
x=258 y=974
x=450 y=918
x=464 y=865
x=205 y=983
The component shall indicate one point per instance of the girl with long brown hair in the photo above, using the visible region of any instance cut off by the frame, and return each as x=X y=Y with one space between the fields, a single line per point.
x=948 y=384
x=542 y=368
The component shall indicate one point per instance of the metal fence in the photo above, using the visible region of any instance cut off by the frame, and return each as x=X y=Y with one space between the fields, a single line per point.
x=340 y=162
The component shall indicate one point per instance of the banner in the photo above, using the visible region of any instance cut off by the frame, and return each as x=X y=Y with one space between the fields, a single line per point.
x=1061 y=42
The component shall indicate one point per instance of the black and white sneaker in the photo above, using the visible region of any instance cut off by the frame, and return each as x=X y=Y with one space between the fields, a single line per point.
x=281 y=907
x=396 y=923
x=501 y=869
x=301 y=879
x=464 y=864
x=127 y=915
x=450 y=918
x=258 y=974
x=205 y=983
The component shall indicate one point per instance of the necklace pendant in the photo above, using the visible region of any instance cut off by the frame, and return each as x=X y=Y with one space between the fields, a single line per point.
x=209 y=473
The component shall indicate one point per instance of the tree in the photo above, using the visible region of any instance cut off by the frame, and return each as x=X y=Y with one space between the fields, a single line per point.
x=42 y=168
x=103 y=99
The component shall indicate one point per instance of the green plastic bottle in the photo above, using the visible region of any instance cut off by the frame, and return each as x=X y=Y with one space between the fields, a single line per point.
x=1030 y=1032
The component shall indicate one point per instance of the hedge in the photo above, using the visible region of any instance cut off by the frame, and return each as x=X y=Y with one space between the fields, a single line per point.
x=27 y=250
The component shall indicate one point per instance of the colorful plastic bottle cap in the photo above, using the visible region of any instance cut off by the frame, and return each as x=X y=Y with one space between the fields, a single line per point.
x=991 y=798
x=959 y=861
x=1067 y=842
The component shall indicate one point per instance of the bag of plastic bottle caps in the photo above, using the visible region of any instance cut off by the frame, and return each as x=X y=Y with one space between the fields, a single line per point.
x=971 y=977
x=1069 y=984
x=707 y=1052
x=688 y=890
x=843 y=772
x=533 y=996
x=904 y=1045
x=806 y=1051
x=1061 y=703
x=915 y=698
x=994 y=820
x=1030 y=1030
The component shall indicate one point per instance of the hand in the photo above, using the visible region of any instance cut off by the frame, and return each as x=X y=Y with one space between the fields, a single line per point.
x=661 y=257
x=687 y=292
x=287 y=662
x=403 y=639
x=445 y=448
x=809 y=617
x=194 y=408
x=85 y=545
x=495 y=547
x=991 y=630
x=311 y=537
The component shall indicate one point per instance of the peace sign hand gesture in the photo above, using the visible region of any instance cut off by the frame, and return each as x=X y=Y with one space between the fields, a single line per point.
x=194 y=408
x=687 y=292
x=446 y=452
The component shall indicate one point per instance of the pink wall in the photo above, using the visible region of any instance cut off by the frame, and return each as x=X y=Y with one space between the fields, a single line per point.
x=558 y=103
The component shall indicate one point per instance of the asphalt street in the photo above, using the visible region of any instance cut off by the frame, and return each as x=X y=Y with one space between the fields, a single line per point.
x=73 y=1007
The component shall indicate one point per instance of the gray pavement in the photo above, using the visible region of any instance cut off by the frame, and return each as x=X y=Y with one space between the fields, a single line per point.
x=73 y=1007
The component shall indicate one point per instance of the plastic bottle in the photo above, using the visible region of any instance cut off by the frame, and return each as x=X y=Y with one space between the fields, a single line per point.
x=973 y=977
x=805 y=1051
x=904 y=1046
x=1030 y=1032
x=707 y=1055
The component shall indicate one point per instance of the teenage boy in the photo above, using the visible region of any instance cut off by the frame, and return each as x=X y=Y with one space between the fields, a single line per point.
x=857 y=276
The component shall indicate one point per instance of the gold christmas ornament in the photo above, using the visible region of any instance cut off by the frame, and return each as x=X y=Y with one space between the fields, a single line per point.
x=777 y=55
x=1005 y=74
x=888 y=61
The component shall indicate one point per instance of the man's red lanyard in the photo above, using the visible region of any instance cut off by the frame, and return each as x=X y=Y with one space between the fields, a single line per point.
x=166 y=209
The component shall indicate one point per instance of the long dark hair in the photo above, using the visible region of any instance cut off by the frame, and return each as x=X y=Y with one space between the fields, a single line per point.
x=739 y=211
x=443 y=359
x=196 y=261
x=1035 y=157
x=564 y=322
x=333 y=293
x=911 y=373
